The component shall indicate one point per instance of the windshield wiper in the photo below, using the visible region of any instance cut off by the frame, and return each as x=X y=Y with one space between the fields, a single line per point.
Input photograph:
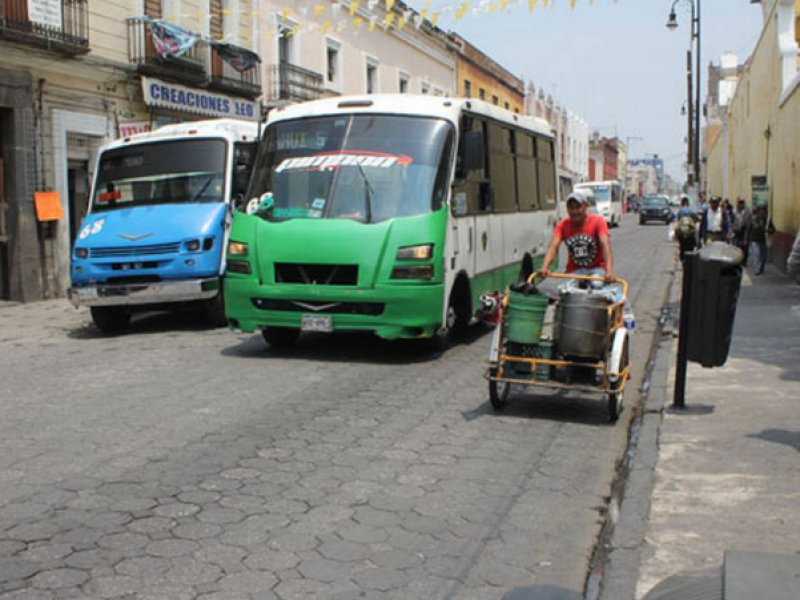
x=368 y=193
x=204 y=188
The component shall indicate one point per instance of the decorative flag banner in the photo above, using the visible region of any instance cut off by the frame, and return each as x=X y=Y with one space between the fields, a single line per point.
x=354 y=7
x=285 y=12
x=532 y=4
x=435 y=18
x=171 y=40
x=389 y=5
x=388 y=20
x=326 y=26
x=358 y=22
x=373 y=22
x=240 y=59
x=401 y=22
x=318 y=10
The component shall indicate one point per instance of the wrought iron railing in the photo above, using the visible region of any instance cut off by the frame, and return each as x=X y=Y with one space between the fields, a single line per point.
x=142 y=53
x=225 y=77
x=66 y=30
x=290 y=83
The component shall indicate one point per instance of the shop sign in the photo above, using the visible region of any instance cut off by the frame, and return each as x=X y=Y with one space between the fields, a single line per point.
x=760 y=191
x=132 y=123
x=176 y=97
x=45 y=12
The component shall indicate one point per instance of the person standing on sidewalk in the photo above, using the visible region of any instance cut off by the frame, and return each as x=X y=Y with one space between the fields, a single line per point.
x=740 y=222
x=714 y=224
x=757 y=236
x=686 y=228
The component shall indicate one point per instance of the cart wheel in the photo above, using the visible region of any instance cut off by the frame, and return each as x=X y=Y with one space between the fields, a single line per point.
x=616 y=399
x=498 y=393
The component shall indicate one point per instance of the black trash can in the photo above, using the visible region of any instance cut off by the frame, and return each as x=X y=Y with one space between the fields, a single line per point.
x=716 y=278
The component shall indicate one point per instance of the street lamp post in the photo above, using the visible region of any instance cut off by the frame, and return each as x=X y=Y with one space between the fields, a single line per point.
x=694 y=119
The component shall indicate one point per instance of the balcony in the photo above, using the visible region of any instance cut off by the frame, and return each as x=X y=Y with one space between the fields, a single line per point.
x=189 y=67
x=243 y=81
x=65 y=30
x=289 y=83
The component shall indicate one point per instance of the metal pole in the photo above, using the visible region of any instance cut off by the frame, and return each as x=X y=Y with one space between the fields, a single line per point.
x=698 y=98
x=679 y=401
x=690 y=112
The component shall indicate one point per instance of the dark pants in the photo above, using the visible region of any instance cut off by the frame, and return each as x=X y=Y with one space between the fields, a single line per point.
x=687 y=245
x=738 y=241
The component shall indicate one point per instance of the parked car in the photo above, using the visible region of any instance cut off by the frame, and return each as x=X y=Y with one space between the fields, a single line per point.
x=655 y=208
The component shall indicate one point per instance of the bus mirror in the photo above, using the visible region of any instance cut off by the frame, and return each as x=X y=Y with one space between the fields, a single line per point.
x=474 y=151
x=241 y=178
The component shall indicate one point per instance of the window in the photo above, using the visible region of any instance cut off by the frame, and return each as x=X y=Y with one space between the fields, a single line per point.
x=438 y=92
x=467 y=88
x=333 y=64
x=527 y=181
x=372 y=75
x=482 y=94
x=495 y=100
x=425 y=88
x=403 y=83
x=508 y=106
x=474 y=183
x=287 y=48
x=501 y=164
x=545 y=160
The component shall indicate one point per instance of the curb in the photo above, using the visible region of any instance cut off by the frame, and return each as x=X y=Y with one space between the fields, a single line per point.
x=621 y=572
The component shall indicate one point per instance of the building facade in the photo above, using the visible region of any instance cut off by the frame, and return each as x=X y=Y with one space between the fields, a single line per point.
x=481 y=77
x=646 y=176
x=315 y=49
x=75 y=74
x=758 y=158
x=603 y=158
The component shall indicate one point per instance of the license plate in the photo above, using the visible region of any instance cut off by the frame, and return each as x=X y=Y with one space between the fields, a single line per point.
x=316 y=323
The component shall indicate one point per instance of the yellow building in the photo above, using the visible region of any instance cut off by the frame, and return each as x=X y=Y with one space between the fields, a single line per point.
x=757 y=154
x=481 y=77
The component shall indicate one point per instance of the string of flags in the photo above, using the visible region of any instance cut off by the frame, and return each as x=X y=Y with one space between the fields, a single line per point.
x=368 y=15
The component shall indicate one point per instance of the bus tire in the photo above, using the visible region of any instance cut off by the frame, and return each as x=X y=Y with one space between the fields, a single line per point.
x=215 y=309
x=459 y=312
x=280 y=338
x=111 y=319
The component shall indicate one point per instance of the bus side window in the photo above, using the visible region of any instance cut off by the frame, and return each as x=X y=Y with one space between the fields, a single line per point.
x=527 y=185
x=244 y=157
x=501 y=169
x=471 y=167
x=545 y=161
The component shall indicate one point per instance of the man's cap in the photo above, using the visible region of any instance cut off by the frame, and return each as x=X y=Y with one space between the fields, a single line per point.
x=578 y=197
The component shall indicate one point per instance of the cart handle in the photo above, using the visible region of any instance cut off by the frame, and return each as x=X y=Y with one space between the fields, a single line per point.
x=622 y=282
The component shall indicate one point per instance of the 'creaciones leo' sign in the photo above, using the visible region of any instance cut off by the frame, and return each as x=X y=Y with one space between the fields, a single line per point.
x=183 y=99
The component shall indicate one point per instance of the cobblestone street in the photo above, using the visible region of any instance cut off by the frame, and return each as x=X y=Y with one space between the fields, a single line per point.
x=179 y=462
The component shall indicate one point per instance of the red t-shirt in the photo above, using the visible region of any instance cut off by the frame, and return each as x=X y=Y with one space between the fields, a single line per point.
x=583 y=243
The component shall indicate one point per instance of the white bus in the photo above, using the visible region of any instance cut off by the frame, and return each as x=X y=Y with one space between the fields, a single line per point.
x=608 y=196
x=390 y=214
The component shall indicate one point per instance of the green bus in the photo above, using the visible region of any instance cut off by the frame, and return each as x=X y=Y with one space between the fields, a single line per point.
x=388 y=213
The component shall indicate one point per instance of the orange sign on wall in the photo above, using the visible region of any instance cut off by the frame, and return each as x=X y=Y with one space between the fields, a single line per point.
x=48 y=206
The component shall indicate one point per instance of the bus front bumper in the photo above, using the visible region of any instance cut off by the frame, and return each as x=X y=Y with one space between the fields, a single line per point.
x=162 y=292
x=389 y=311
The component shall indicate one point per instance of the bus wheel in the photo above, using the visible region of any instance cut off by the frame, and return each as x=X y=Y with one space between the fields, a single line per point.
x=111 y=319
x=215 y=309
x=456 y=320
x=280 y=337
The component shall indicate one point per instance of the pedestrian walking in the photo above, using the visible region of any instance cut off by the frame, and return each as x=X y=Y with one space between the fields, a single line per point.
x=728 y=210
x=741 y=220
x=715 y=223
x=686 y=228
x=757 y=238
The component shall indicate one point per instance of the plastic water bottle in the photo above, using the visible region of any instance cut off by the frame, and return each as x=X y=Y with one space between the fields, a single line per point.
x=628 y=318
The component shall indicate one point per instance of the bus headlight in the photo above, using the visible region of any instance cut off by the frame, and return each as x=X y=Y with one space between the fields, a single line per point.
x=81 y=252
x=237 y=249
x=422 y=252
x=421 y=272
x=193 y=245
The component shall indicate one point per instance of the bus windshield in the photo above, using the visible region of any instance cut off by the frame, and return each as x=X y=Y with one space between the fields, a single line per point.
x=601 y=193
x=368 y=168
x=181 y=171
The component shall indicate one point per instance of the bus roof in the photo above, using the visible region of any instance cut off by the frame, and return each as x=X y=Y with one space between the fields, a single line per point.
x=597 y=183
x=411 y=105
x=231 y=129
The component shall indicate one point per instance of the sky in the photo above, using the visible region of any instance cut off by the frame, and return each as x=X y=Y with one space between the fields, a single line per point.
x=613 y=62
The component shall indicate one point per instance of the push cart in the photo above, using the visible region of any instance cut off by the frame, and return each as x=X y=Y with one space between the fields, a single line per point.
x=572 y=357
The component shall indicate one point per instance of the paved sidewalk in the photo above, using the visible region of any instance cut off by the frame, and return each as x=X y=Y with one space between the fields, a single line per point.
x=724 y=475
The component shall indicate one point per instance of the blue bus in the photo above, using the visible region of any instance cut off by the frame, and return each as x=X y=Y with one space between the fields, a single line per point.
x=158 y=221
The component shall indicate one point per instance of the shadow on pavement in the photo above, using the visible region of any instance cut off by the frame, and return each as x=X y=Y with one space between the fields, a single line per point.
x=352 y=348
x=779 y=436
x=149 y=323
x=576 y=409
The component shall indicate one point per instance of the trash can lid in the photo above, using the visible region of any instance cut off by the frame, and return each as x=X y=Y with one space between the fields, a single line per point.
x=722 y=252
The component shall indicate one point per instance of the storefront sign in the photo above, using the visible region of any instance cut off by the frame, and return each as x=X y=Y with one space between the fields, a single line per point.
x=45 y=12
x=201 y=102
x=132 y=123
x=760 y=190
x=48 y=206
